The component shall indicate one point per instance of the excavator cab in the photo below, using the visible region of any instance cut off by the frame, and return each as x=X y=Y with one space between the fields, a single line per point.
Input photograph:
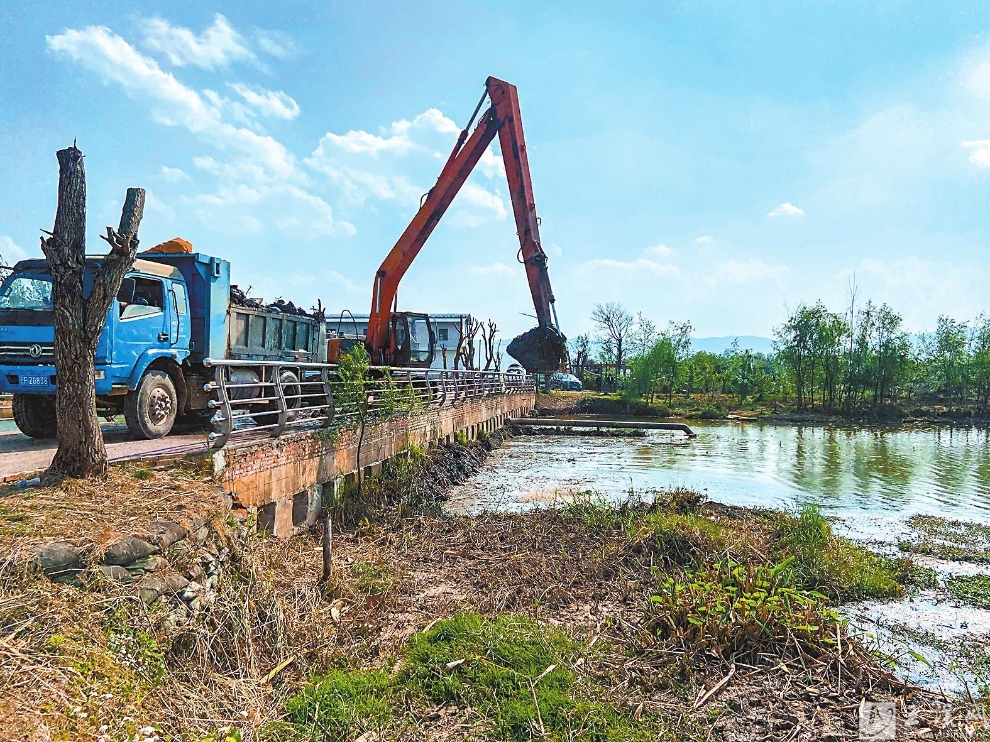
x=413 y=340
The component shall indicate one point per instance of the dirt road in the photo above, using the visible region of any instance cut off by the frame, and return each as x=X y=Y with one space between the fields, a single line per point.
x=22 y=455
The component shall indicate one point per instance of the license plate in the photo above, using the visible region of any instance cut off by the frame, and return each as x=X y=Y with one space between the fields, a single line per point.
x=34 y=381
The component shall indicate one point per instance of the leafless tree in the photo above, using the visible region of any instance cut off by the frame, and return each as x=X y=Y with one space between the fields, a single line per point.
x=488 y=340
x=464 y=355
x=615 y=324
x=580 y=353
x=79 y=318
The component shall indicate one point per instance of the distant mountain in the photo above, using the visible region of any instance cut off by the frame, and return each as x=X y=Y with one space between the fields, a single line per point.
x=717 y=345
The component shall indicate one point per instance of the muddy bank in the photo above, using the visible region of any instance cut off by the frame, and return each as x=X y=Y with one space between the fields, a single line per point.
x=589 y=617
x=727 y=408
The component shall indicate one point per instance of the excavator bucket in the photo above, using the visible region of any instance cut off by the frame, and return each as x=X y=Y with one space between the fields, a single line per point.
x=540 y=350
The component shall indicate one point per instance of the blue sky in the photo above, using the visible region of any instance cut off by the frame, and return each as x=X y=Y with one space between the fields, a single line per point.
x=712 y=161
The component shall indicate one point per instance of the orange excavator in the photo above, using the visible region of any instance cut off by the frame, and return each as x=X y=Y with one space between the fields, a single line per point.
x=406 y=338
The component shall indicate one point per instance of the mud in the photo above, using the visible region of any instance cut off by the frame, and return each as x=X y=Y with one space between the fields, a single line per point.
x=540 y=350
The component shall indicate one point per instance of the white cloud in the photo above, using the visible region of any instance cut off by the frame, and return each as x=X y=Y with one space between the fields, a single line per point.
x=981 y=152
x=641 y=265
x=155 y=207
x=217 y=46
x=748 y=271
x=101 y=51
x=476 y=206
x=10 y=251
x=704 y=239
x=398 y=162
x=268 y=102
x=275 y=43
x=261 y=170
x=399 y=138
x=174 y=174
x=787 y=209
x=556 y=249
x=661 y=251
x=495 y=269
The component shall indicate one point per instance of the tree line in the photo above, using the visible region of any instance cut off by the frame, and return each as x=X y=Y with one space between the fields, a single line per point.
x=860 y=358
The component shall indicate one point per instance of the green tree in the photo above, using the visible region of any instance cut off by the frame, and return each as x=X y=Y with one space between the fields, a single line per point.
x=979 y=352
x=944 y=357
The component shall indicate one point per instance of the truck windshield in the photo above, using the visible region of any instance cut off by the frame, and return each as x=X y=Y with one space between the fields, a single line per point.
x=26 y=291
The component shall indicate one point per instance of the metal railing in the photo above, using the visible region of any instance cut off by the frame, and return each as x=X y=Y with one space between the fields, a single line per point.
x=258 y=399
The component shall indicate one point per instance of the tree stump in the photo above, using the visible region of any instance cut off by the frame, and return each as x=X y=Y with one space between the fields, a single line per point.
x=79 y=317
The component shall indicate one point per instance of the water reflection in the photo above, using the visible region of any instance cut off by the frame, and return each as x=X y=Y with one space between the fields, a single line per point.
x=881 y=473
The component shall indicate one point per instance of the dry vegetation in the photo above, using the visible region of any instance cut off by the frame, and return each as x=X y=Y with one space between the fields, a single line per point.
x=679 y=620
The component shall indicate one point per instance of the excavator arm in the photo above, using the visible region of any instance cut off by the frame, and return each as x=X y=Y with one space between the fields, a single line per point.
x=545 y=343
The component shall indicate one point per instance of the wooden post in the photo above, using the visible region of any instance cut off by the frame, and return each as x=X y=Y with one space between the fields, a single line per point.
x=79 y=318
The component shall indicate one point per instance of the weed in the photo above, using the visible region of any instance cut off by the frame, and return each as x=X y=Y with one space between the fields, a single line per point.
x=686 y=538
x=973 y=590
x=922 y=578
x=372 y=578
x=591 y=510
x=951 y=540
x=746 y=609
x=461 y=438
x=711 y=413
x=142 y=474
x=834 y=565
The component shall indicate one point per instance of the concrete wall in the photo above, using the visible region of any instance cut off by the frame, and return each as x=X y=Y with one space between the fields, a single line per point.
x=282 y=478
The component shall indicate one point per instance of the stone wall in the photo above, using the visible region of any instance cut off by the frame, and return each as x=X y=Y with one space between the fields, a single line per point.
x=282 y=478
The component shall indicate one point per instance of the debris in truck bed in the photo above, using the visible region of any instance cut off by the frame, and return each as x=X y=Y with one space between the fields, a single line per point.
x=539 y=350
x=240 y=298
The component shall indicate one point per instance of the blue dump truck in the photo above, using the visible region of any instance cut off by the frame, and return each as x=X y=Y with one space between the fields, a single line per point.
x=172 y=312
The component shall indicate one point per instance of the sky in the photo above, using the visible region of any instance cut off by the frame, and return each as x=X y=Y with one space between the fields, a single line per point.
x=718 y=162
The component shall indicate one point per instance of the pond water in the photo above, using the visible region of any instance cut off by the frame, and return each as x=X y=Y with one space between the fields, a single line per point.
x=868 y=477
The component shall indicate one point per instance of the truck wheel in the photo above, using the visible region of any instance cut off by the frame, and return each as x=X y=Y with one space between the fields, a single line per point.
x=34 y=415
x=150 y=409
x=290 y=387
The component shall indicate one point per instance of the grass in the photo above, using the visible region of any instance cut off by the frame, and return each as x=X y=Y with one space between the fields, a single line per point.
x=512 y=676
x=372 y=578
x=686 y=538
x=502 y=584
x=836 y=566
x=952 y=540
x=973 y=590
x=343 y=705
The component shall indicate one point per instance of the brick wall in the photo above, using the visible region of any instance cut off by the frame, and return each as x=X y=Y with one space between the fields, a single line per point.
x=273 y=471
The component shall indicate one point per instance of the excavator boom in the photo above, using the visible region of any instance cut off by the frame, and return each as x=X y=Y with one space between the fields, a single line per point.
x=501 y=119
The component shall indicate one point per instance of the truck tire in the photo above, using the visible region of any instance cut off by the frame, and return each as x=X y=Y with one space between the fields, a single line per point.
x=34 y=415
x=150 y=410
x=268 y=415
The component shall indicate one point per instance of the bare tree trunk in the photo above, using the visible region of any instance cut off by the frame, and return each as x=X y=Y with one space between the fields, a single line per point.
x=79 y=319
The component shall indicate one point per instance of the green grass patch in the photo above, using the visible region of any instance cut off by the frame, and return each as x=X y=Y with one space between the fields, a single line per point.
x=686 y=538
x=345 y=704
x=973 y=590
x=372 y=578
x=952 y=540
x=833 y=565
x=513 y=672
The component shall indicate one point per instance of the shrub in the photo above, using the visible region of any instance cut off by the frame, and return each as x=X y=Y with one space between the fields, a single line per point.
x=732 y=608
